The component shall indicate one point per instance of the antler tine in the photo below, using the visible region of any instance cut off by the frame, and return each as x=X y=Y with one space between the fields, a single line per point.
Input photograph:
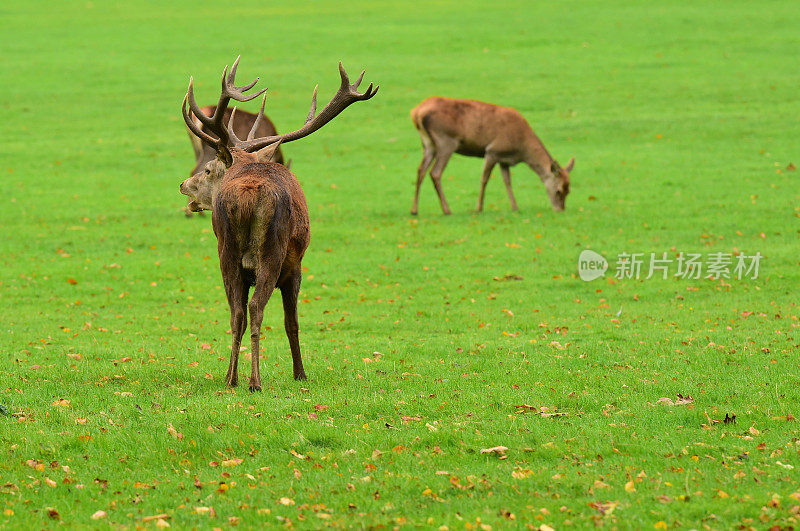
x=231 y=134
x=230 y=89
x=257 y=122
x=313 y=110
x=352 y=88
x=232 y=77
x=343 y=73
x=358 y=81
x=195 y=110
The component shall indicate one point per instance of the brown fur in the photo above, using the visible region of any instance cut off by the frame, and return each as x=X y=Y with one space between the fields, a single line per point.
x=500 y=135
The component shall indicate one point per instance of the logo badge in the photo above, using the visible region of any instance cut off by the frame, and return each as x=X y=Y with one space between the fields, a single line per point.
x=591 y=265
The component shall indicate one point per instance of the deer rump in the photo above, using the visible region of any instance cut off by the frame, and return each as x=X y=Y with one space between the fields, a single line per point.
x=250 y=218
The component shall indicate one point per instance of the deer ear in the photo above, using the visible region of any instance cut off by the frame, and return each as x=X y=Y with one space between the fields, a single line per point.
x=266 y=154
x=570 y=165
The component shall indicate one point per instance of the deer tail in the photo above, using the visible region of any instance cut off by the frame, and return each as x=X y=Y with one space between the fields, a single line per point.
x=277 y=233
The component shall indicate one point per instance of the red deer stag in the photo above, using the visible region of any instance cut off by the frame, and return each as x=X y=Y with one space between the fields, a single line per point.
x=258 y=211
x=203 y=153
x=498 y=134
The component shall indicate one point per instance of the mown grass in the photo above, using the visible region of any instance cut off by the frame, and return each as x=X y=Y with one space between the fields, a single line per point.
x=682 y=119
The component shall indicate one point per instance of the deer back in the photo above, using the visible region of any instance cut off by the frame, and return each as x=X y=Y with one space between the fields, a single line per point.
x=474 y=124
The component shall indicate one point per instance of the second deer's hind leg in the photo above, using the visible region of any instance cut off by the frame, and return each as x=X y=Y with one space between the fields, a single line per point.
x=488 y=163
x=444 y=150
x=507 y=180
x=427 y=158
x=289 y=292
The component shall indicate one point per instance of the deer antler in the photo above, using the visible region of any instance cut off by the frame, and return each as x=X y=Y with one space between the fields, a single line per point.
x=215 y=122
x=344 y=97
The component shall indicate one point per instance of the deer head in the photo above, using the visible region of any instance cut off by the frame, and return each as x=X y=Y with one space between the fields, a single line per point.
x=203 y=186
x=557 y=184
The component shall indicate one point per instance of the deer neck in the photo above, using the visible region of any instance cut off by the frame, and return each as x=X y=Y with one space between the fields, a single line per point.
x=537 y=157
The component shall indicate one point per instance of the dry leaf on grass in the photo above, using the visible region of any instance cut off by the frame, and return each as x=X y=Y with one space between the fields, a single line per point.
x=680 y=401
x=499 y=451
x=175 y=433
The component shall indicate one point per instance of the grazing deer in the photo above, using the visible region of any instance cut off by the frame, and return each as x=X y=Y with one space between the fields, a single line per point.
x=203 y=153
x=498 y=134
x=258 y=211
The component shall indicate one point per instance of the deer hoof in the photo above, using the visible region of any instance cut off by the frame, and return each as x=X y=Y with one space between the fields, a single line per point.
x=255 y=388
x=232 y=382
x=301 y=376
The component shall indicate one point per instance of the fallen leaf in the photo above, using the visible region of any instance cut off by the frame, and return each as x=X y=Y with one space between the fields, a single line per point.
x=99 y=515
x=499 y=451
x=604 y=508
x=175 y=433
x=286 y=501
x=521 y=473
x=161 y=516
x=299 y=455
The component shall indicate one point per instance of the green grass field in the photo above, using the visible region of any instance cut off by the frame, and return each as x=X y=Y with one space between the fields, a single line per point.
x=423 y=337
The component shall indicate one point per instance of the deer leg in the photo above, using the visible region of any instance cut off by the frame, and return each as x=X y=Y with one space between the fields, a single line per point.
x=289 y=291
x=507 y=180
x=488 y=163
x=261 y=294
x=236 y=291
x=443 y=154
x=427 y=159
